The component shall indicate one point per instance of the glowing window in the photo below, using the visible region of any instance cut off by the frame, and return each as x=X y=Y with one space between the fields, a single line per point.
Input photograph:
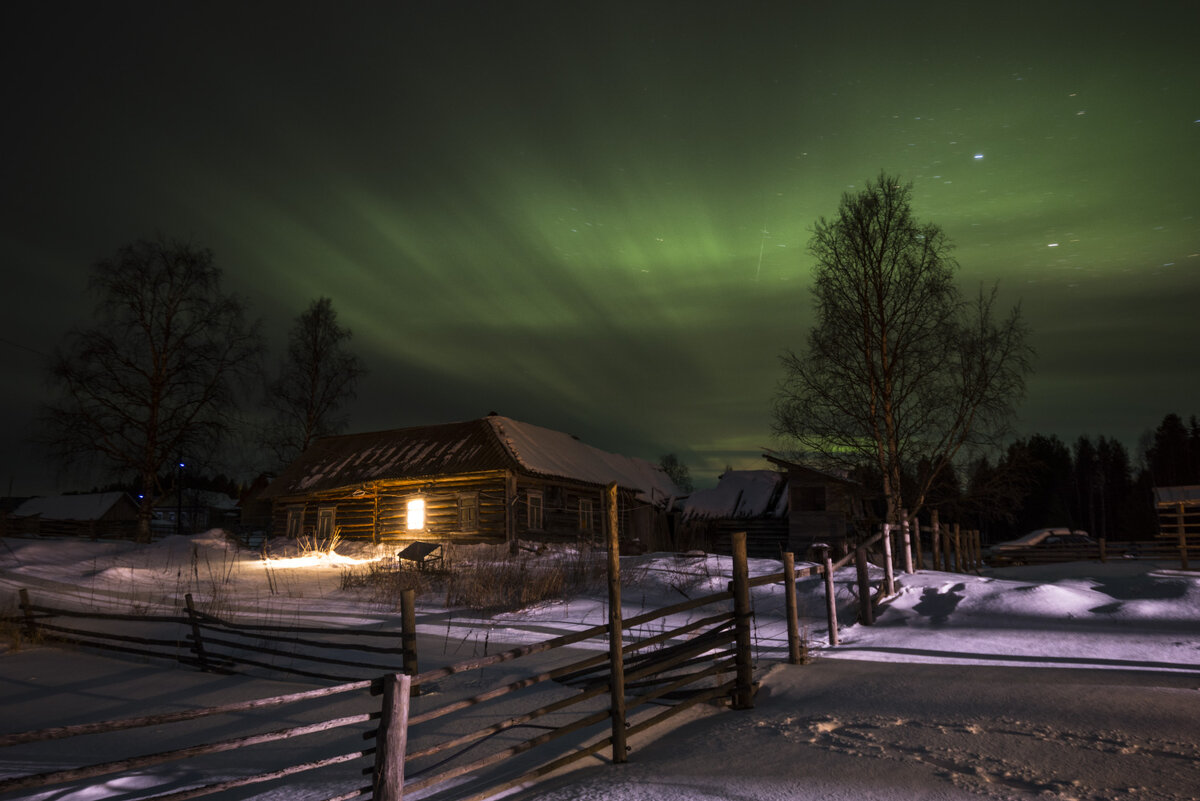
x=416 y=514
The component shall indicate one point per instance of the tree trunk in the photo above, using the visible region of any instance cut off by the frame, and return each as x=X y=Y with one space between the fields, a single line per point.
x=145 y=512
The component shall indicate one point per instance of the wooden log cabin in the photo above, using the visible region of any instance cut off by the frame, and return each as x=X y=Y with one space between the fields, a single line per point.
x=494 y=479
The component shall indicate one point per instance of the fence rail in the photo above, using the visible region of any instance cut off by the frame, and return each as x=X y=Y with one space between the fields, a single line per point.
x=210 y=643
x=1179 y=518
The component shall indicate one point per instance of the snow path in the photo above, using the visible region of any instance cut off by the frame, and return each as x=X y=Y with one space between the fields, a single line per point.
x=841 y=729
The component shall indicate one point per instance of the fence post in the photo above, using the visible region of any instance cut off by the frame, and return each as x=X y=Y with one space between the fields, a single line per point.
x=197 y=642
x=935 y=536
x=889 y=574
x=908 y=552
x=616 y=664
x=957 y=548
x=1183 y=547
x=743 y=691
x=27 y=611
x=830 y=600
x=789 y=605
x=1103 y=550
x=866 y=612
x=408 y=635
x=916 y=535
x=391 y=744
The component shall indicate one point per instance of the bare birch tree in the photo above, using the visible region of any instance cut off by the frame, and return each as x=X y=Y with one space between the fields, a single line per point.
x=900 y=371
x=154 y=378
x=315 y=382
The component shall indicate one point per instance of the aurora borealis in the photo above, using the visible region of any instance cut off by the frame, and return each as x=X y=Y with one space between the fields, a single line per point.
x=594 y=217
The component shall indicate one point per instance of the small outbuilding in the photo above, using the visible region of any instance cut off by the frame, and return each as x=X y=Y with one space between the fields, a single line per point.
x=194 y=511
x=1178 y=510
x=788 y=508
x=95 y=515
x=493 y=479
x=754 y=501
x=822 y=507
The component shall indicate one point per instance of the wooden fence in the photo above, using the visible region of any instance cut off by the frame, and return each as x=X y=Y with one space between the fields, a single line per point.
x=415 y=749
x=420 y=747
x=1178 y=518
x=138 y=763
x=212 y=644
x=434 y=742
x=1180 y=522
x=954 y=549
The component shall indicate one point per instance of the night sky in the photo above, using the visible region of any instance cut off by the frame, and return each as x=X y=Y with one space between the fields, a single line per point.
x=594 y=217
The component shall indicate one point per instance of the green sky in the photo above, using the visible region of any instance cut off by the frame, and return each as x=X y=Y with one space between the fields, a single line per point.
x=594 y=217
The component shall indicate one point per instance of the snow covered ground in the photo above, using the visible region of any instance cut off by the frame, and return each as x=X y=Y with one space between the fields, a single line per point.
x=1076 y=681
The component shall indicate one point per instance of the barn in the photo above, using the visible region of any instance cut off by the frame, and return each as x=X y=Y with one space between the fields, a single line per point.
x=493 y=479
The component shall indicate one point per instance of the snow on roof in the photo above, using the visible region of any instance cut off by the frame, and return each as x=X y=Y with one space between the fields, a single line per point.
x=69 y=507
x=403 y=453
x=740 y=493
x=1171 y=496
x=491 y=443
x=553 y=453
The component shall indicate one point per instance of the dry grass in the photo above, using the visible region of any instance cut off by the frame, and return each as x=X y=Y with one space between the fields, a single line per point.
x=496 y=580
x=13 y=633
x=488 y=578
x=311 y=545
x=385 y=582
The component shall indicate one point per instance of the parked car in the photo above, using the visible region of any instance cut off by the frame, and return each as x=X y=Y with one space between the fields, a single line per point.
x=1042 y=545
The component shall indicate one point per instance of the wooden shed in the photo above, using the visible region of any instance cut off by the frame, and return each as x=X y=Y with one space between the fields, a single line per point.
x=493 y=479
x=822 y=507
x=753 y=501
x=97 y=514
x=1178 y=511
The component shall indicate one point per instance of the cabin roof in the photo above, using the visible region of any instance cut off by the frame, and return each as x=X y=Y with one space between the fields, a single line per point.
x=490 y=443
x=91 y=506
x=740 y=494
x=809 y=475
x=1188 y=495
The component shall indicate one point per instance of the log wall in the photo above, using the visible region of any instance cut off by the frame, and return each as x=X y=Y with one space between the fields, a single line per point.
x=379 y=511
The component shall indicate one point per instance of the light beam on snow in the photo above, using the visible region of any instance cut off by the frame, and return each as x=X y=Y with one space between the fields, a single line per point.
x=330 y=559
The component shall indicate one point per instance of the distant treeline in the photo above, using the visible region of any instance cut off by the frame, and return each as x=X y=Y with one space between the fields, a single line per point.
x=1090 y=484
x=187 y=480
